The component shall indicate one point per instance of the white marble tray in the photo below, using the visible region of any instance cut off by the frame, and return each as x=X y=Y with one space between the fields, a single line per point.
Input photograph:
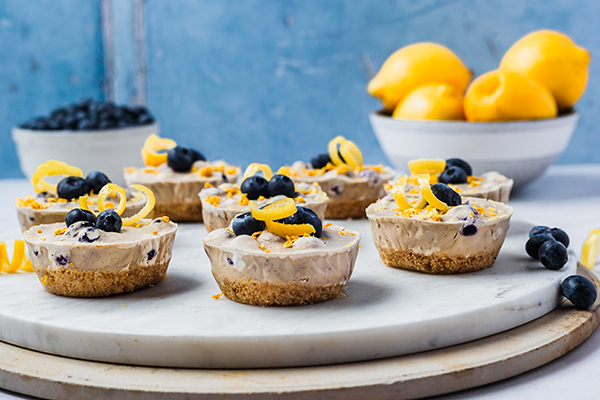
x=385 y=312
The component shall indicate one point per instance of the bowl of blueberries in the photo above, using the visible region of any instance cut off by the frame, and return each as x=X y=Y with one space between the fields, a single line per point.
x=92 y=135
x=521 y=150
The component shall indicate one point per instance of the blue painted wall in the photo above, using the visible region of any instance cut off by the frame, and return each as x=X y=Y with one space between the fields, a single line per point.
x=263 y=81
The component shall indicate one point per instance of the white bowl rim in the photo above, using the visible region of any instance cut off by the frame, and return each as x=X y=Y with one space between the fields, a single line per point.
x=567 y=118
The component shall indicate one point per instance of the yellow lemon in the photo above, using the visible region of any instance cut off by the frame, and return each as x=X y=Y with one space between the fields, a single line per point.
x=507 y=96
x=415 y=65
x=434 y=101
x=552 y=60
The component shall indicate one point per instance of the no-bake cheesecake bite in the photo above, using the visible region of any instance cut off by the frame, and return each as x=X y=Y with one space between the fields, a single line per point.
x=51 y=202
x=437 y=232
x=92 y=255
x=458 y=174
x=281 y=255
x=350 y=185
x=177 y=176
x=220 y=204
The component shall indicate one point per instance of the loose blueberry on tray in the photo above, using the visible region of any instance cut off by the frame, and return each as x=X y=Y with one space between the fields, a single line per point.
x=549 y=246
x=579 y=290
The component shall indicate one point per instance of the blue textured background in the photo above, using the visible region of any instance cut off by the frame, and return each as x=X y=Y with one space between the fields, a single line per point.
x=259 y=81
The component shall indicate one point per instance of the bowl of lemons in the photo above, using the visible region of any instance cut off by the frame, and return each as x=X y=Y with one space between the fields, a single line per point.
x=516 y=119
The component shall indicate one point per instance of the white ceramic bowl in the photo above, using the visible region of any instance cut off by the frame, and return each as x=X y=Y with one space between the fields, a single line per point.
x=521 y=150
x=108 y=151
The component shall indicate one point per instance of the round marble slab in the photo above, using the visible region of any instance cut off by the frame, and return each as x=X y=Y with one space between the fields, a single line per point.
x=413 y=376
x=384 y=312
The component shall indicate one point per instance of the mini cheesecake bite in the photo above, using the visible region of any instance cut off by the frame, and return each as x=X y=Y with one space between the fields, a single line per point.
x=52 y=202
x=177 y=176
x=458 y=174
x=281 y=255
x=220 y=204
x=350 y=185
x=100 y=254
x=438 y=232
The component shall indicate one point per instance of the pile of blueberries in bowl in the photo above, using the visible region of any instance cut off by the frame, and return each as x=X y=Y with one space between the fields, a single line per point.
x=88 y=115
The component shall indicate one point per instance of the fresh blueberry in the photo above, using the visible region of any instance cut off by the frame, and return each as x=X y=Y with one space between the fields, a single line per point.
x=77 y=214
x=72 y=187
x=446 y=194
x=538 y=230
x=246 y=224
x=196 y=155
x=96 y=181
x=579 y=290
x=532 y=247
x=561 y=236
x=305 y=215
x=109 y=221
x=320 y=161
x=553 y=254
x=255 y=186
x=457 y=162
x=180 y=159
x=453 y=174
x=281 y=184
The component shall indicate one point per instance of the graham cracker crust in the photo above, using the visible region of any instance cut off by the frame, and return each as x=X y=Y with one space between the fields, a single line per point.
x=78 y=283
x=277 y=294
x=343 y=209
x=178 y=211
x=436 y=264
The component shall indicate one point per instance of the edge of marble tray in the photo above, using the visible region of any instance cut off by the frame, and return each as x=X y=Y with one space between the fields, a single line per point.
x=412 y=376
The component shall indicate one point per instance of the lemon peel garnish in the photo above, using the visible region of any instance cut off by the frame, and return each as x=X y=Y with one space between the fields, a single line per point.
x=107 y=190
x=352 y=156
x=427 y=165
x=277 y=210
x=19 y=260
x=589 y=251
x=52 y=168
x=428 y=194
x=289 y=229
x=4 y=261
x=152 y=146
x=83 y=204
x=149 y=206
x=254 y=168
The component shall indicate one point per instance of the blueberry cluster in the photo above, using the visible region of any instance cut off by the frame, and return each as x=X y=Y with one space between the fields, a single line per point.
x=89 y=115
x=256 y=186
x=579 y=290
x=181 y=159
x=246 y=224
x=108 y=220
x=456 y=171
x=549 y=246
x=72 y=187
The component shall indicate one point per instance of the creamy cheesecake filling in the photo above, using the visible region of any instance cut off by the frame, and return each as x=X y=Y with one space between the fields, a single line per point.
x=478 y=225
x=84 y=247
x=274 y=259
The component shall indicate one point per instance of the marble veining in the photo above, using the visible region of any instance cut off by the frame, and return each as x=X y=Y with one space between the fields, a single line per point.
x=384 y=312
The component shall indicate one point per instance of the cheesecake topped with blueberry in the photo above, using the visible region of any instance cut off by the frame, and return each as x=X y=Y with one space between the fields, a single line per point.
x=281 y=254
x=437 y=231
x=458 y=174
x=220 y=204
x=177 y=176
x=101 y=253
x=350 y=184
x=52 y=202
